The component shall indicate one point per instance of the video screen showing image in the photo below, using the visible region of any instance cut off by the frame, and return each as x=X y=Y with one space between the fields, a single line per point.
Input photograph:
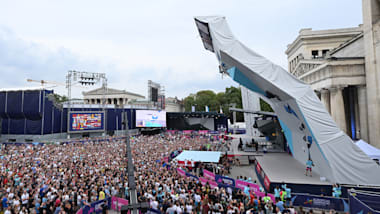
x=86 y=121
x=150 y=118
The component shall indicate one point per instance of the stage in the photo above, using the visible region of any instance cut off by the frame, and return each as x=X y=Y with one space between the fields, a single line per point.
x=276 y=168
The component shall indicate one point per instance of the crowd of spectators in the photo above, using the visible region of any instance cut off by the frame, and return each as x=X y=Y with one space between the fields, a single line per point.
x=61 y=178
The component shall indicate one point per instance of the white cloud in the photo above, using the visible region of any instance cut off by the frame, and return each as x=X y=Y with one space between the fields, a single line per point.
x=134 y=41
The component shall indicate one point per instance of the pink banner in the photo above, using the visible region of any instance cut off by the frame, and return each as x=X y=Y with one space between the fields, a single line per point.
x=242 y=184
x=262 y=195
x=204 y=181
x=181 y=172
x=117 y=203
x=209 y=175
x=187 y=131
x=267 y=182
x=258 y=168
x=203 y=131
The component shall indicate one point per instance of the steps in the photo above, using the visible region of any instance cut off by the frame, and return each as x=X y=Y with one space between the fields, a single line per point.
x=244 y=161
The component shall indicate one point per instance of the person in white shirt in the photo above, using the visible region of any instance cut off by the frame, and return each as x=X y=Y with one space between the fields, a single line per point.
x=24 y=198
x=8 y=211
x=189 y=207
x=154 y=204
x=178 y=208
x=171 y=209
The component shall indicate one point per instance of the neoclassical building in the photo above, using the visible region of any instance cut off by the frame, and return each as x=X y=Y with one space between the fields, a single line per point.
x=173 y=104
x=112 y=96
x=340 y=65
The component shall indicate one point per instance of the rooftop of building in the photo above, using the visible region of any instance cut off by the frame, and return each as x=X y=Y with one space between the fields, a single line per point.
x=108 y=91
x=309 y=33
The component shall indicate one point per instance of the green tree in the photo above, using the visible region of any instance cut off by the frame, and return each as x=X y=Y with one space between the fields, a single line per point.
x=214 y=101
x=60 y=98
x=264 y=106
x=233 y=95
x=188 y=102
x=206 y=98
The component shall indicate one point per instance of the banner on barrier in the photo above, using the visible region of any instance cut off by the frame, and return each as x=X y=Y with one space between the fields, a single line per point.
x=242 y=184
x=225 y=180
x=320 y=202
x=181 y=172
x=258 y=168
x=204 y=181
x=209 y=175
x=95 y=207
x=203 y=131
x=364 y=202
x=225 y=186
x=117 y=203
x=266 y=182
x=191 y=176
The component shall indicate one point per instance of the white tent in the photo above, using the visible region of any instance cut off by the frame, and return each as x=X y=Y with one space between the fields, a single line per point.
x=370 y=150
x=199 y=156
x=309 y=129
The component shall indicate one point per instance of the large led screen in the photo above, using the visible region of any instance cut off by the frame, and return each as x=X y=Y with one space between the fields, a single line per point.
x=150 y=118
x=86 y=121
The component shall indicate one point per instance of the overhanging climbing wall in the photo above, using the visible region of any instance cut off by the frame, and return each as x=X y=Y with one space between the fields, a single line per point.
x=309 y=129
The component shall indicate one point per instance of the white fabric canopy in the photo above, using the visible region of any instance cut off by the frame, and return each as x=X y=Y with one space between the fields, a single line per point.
x=371 y=151
x=310 y=131
x=199 y=156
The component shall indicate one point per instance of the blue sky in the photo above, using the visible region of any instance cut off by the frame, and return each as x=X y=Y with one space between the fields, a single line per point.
x=134 y=41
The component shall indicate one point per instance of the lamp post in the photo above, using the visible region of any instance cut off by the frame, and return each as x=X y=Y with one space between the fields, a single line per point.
x=133 y=205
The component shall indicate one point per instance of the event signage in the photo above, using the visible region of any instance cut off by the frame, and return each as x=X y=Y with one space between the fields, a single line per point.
x=117 y=203
x=258 y=168
x=320 y=202
x=242 y=184
x=364 y=202
x=95 y=207
x=209 y=175
x=191 y=176
x=204 y=181
x=203 y=132
x=181 y=172
x=225 y=180
x=86 y=121
x=266 y=182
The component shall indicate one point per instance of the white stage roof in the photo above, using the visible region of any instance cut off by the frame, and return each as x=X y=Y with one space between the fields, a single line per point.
x=199 y=156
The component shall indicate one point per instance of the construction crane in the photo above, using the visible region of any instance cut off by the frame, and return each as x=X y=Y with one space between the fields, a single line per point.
x=44 y=82
x=54 y=84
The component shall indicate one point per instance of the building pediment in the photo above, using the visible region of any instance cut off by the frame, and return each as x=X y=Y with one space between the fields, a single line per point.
x=110 y=91
x=353 y=48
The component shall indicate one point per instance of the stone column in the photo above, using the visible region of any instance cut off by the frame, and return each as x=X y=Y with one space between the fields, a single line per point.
x=371 y=29
x=363 y=114
x=325 y=98
x=337 y=108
